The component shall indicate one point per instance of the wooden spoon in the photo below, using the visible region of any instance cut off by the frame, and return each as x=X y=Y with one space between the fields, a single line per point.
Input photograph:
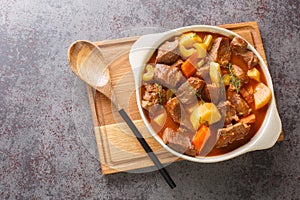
x=88 y=63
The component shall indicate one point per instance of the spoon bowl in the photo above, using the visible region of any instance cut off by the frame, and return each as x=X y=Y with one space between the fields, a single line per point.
x=88 y=63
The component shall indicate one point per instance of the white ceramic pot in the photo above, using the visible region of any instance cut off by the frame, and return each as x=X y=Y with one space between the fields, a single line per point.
x=267 y=135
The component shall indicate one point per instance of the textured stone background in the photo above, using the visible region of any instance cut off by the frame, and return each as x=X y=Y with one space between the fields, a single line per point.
x=42 y=153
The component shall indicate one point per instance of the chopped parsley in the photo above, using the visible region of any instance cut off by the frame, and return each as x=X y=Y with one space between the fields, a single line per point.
x=160 y=95
x=234 y=80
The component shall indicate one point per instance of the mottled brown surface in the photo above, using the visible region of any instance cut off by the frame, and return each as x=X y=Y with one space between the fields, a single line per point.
x=47 y=147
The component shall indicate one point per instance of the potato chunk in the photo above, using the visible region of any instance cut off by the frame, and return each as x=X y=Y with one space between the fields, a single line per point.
x=262 y=95
x=206 y=113
x=254 y=74
x=160 y=119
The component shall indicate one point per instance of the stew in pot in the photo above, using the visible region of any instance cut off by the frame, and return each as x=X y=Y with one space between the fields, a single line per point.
x=204 y=94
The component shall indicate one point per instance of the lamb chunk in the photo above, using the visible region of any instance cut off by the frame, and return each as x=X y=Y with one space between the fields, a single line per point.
x=240 y=74
x=178 y=63
x=168 y=52
x=197 y=84
x=187 y=92
x=151 y=96
x=202 y=72
x=170 y=77
x=241 y=106
x=228 y=112
x=178 y=141
x=174 y=110
x=178 y=114
x=211 y=93
x=247 y=94
x=231 y=134
x=220 y=51
x=239 y=47
x=250 y=59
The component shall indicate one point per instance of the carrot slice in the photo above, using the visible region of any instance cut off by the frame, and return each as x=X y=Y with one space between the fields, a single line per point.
x=201 y=137
x=189 y=66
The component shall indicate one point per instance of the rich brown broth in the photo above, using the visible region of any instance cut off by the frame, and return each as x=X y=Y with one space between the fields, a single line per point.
x=260 y=113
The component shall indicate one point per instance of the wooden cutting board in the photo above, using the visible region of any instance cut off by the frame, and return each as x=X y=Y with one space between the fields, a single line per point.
x=118 y=148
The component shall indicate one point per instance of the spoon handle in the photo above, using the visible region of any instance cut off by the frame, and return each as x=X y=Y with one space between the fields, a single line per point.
x=147 y=148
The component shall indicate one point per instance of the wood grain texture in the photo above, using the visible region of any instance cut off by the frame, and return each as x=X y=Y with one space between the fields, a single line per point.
x=118 y=148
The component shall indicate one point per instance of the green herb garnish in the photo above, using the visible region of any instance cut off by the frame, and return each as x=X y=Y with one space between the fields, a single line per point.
x=199 y=96
x=234 y=80
x=160 y=95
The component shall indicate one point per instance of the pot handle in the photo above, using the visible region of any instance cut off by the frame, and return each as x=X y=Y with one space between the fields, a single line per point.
x=271 y=131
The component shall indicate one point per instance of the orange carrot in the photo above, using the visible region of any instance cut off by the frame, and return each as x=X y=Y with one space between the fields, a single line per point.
x=188 y=69
x=201 y=137
x=248 y=119
x=189 y=66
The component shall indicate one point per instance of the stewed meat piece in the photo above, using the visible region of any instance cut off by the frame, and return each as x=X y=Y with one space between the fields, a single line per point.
x=173 y=109
x=240 y=74
x=220 y=51
x=231 y=134
x=203 y=72
x=170 y=77
x=211 y=93
x=176 y=111
x=178 y=141
x=247 y=94
x=154 y=93
x=228 y=112
x=197 y=84
x=241 y=106
x=168 y=52
x=189 y=91
x=177 y=64
x=239 y=47
x=250 y=59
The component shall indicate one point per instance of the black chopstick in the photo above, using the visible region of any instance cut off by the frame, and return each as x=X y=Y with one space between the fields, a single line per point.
x=148 y=149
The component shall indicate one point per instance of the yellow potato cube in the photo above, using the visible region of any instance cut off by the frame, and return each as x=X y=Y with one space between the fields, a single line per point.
x=254 y=74
x=188 y=39
x=206 y=113
x=160 y=119
x=262 y=95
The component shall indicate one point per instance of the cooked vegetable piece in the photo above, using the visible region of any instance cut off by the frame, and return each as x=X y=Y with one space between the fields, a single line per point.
x=188 y=39
x=169 y=94
x=248 y=119
x=149 y=73
x=160 y=119
x=189 y=66
x=200 y=63
x=207 y=41
x=200 y=49
x=254 y=74
x=201 y=137
x=235 y=82
x=215 y=73
x=184 y=52
x=262 y=95
x=226 y=79
x=206 y=113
